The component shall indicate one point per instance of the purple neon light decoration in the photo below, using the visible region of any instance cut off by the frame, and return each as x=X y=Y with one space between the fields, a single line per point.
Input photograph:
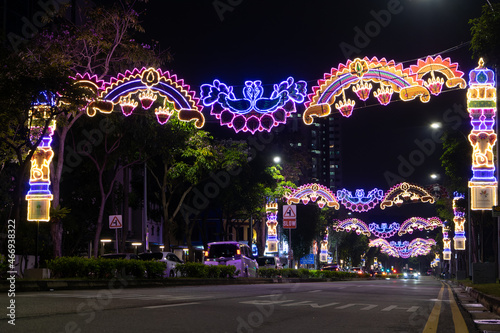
x=359 y=202
x=383 y=230
x=253 y=112
x=419 y=223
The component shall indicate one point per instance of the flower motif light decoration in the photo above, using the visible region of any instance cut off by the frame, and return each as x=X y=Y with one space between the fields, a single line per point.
x=39 y=195
x=419 y=223
x=405 y=192
x=360 y=202
x=482 y=108
x=272 y=223
x=459 y=220
x=314 y=193
x=352 y=224
x=383 y=230
x=144 y=88
x=360 y=75
x=253 y=112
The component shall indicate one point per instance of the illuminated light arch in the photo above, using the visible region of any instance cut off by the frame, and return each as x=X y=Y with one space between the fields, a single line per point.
x=402 y=192
x=361 y=74
x=253 y=112
x=312 y=192
x=385 y=247
x=442 y=66
x=352 y=224
x=383 y=230
x=419 y=223
x=404 y=249
x=360 y=202
x=146 y=88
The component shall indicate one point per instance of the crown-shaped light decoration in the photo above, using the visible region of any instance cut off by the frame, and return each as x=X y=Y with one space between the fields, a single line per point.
x=164 y=112
x=384 y=95
x=434 y=84
x=362 y=90
x=147 y=98
x=128 y=105
x=345 y=107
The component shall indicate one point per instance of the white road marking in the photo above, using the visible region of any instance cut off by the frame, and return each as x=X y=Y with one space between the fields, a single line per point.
x=169 y=305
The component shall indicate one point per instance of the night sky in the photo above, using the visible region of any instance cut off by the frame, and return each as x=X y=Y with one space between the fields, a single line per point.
x=272 y=40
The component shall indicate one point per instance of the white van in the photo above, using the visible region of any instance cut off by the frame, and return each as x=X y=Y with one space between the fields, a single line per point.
x=232 y=253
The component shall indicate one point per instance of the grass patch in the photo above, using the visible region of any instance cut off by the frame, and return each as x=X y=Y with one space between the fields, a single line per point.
x=492 y=289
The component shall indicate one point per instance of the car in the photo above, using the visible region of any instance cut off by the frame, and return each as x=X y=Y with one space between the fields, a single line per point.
x=167 y=257
x=232 y=253
x=120 y=256
x=269 y=262
x=357 y=270
x=410 y=273
x=331 y=267
x=429 y=271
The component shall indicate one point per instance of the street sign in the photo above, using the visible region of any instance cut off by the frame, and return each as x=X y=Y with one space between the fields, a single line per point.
x=307 y=260
x=115 y=221
x=289 y=217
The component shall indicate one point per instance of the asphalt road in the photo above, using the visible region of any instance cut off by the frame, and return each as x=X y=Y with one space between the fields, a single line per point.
x=352 y=306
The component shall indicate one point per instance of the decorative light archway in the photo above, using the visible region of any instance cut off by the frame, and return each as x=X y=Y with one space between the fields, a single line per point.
x=419 y=223
x=143 y=88
x=359 y=75
x=400 y=193
x=312 y=192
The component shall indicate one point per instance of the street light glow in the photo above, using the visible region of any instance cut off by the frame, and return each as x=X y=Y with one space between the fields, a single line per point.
x=434 y=176
x=277 y=159
x=436 y=125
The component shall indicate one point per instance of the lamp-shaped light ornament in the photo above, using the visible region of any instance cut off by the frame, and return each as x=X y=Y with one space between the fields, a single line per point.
x=272 y=223
x=482 y=108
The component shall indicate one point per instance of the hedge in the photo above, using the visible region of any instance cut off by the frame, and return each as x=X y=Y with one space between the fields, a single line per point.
x=199 y=270
x=92 y=268
x=305 y=273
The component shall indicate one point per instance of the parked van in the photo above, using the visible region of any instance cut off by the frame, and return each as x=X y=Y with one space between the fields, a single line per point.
x=232 y=253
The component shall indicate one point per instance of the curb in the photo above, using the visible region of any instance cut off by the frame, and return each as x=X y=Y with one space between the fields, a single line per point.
x=22 y=285
x=491 y=303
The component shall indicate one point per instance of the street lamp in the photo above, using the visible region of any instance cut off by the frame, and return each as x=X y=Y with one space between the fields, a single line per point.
x=277 y=159
x=136 y=244
x=104 y=241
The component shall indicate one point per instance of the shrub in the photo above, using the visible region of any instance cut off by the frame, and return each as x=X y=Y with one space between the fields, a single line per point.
x=269 y=272
x=199 y=270
x=99 y=268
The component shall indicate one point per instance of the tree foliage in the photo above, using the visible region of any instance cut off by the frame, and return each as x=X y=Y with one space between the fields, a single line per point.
x=485 y=31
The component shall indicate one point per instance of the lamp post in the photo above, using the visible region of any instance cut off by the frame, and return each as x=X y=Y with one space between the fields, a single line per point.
x=103 y=242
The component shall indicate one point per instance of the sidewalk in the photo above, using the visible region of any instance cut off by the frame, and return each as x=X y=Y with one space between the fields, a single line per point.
x=483 y=309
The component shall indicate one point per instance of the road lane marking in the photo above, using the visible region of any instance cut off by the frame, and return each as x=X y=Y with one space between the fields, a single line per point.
x=458 y=319
x=432 y=323
x=392 y=307
x=365 y=308
x=168 y=305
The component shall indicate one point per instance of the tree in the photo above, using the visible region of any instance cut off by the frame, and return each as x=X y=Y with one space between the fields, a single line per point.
x=485 y=31
x=104 y=44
